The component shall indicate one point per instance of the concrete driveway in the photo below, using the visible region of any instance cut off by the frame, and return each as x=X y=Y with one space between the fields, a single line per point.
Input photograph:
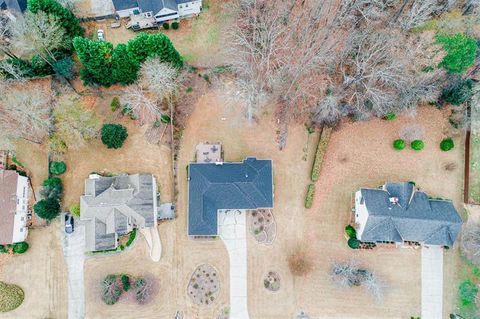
x=232 y=230
x=432 y=282
x=74 y=253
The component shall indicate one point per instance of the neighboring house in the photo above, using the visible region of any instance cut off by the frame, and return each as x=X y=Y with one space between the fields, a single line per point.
x=113 y=206
x=14 y=6
x=213 y=187
x=13 y=207
x=160 y=10
x=398 y=213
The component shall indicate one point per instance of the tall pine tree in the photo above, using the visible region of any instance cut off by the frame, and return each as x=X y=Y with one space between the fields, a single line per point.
x=124 y=68
x=159 y=45
x=96 y=58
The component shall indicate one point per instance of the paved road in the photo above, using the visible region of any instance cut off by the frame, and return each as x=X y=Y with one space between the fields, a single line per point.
x=232 y=231
x=73 y=251
x=432 y=283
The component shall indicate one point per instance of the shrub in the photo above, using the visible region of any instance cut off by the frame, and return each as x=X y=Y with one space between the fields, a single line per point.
x=166 y=26
x=115 y=105
x=350 y=231
x=47 y=208
x=353 y=243
x=114 y=135
x=321 y=149
x=131 y=237
x=175 y=25
x=75 y=210
x=3 y=249
x=447 y=144
x=125 y=282
x=111 y=290
x=461 y=51
x=309 y=196
x=399 y=144
x=11 y=296
x=417 y=145
x=165 y=119
x=467 y=292
x=189 y=89
x=57 y=168
x=20 y=248
x=458 y=91
x=390 y=116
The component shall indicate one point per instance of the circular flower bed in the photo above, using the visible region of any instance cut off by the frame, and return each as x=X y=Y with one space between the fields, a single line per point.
x=204 y=285
x=11 y=296
x=272 y=281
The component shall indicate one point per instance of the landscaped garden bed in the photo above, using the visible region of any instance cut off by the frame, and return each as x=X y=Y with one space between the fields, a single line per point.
x=271 y=282
x=204 y=285
x=142 y=289
x=263 y=226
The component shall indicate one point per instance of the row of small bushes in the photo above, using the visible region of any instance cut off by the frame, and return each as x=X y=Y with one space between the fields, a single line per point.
x=17 y=248
x=175 y=25
x=353 y=242
x=445 y=145
x=319 y=154
x=309 y=196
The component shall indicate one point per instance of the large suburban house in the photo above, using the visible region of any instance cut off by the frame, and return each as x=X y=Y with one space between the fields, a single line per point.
x=113 y=206
x=217 y=186
x=398 y=213
x=161 y=10
x=13 y=207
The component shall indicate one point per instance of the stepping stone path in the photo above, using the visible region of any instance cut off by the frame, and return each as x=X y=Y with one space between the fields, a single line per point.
x=263 y=226
x=272 y=281
x=204 y=285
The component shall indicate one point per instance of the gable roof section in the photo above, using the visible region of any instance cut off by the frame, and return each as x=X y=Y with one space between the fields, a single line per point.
x=245 y=185
x=8 y=204
x=156 y=5
x=433 y=222
x=124 y=4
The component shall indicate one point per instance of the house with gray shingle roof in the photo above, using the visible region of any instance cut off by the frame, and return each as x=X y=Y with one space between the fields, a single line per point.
x=113 y=206
x=213 y=187
x=160 y=10
x=399 y=213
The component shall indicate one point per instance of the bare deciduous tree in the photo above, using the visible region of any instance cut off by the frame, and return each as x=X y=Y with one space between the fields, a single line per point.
x=25 y=112
x=356 y=11
x=160 y=78
x=145 y=288
x=470 y=243
x=422 y=10
x=142 y=104
x=350 y=274
x=38 y=33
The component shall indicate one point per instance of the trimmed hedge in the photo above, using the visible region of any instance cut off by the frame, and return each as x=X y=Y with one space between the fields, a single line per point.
x=309 y=197
x=11 y=296
x=20 y=248
x=175 y=25
x=417 y=145
x=353 y=243
x=399 y=144
x=57 y=168
x=321 y=149
x=350 y=231
x=447 y=144
x=166 y=26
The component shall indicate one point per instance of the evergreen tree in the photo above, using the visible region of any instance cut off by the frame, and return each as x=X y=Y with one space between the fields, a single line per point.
x=96 y=58
x=66 y=18
x=124 y=68
x=159 y=45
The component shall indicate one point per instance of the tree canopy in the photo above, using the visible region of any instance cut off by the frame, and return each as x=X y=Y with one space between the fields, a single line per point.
x=145 y=46
x=96 y=58
x=114 y=135
x=47 y=208
x=461 y=51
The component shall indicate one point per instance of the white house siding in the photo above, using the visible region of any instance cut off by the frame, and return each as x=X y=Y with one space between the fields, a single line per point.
x=189 y=8
x=361 y=214
x=20 y=230
x=127 y=12
x=166 y=14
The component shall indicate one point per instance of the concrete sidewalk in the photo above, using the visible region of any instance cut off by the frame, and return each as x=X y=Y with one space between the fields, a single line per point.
x=74 y=253
x=232 y=230
x=432 y=283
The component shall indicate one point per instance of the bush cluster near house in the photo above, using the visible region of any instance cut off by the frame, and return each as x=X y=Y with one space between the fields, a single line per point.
x=417 y=145
x=114 y=135
x=17 y=248
x=447 y=144
x=350 y=231
x=399 y=144
x=105 y=65
x=175 y=25
x=353 y=243
x=57 y=168
x=309 y=196
x=461 y=51
x=11 y=296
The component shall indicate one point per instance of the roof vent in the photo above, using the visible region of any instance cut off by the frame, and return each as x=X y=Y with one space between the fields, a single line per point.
x=393 y=200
